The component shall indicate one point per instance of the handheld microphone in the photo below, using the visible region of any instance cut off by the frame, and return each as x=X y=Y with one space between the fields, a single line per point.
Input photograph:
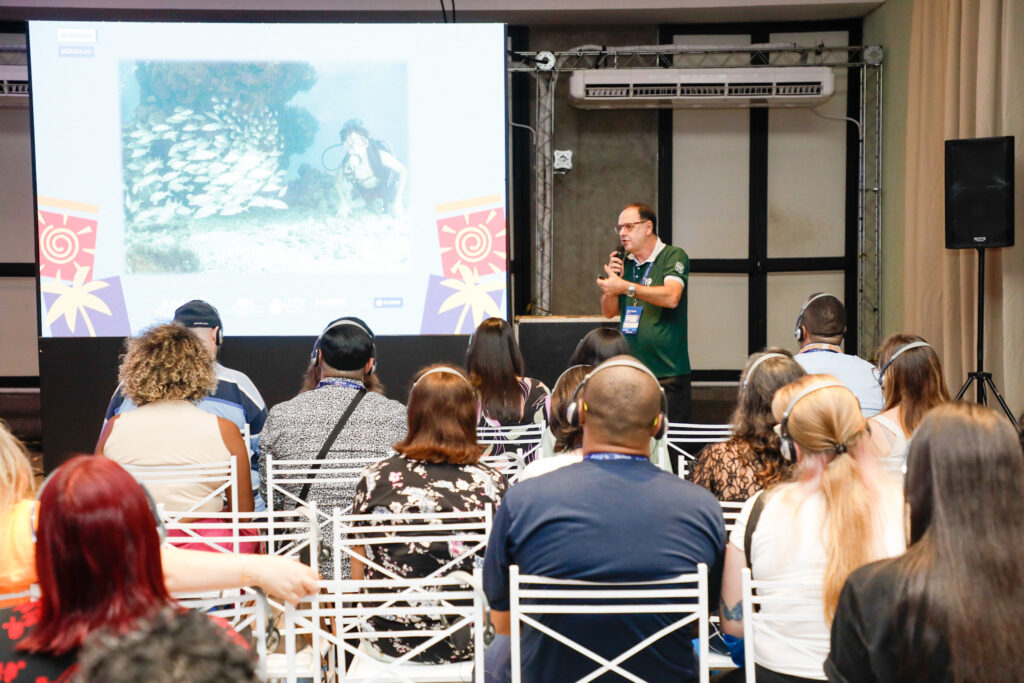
x=620 y=254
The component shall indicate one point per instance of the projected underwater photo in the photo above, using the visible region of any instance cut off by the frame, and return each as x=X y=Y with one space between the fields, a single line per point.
x=273 y=167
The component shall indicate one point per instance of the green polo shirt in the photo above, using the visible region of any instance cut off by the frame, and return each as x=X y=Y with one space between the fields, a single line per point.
x=660 y=341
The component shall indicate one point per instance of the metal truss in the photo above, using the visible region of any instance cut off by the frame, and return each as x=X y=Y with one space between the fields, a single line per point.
x=546 y=67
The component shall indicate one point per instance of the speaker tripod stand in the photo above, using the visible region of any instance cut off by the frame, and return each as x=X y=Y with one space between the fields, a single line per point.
x=980 y=378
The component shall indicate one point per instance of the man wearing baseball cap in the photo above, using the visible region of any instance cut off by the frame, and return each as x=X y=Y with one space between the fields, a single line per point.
x=235 y=398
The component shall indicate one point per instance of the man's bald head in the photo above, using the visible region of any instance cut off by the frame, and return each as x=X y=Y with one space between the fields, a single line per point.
x=621 y=405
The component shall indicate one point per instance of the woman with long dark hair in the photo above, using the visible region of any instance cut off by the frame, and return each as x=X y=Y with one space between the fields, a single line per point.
x=952 y=607
x=599 y=345
x=912 y=384
x=750 y=460
x=496 y=368
x=437 y=469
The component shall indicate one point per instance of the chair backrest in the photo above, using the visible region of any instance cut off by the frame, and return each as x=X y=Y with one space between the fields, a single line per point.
x=245 y=609
x=287 y=533
x=801 y=603
x=219 y=476
x=686 y=439
x=731 y=512
x=685 y=596
x=340 y=617
x=511 y=448
x=287 y=477
x=464 y=533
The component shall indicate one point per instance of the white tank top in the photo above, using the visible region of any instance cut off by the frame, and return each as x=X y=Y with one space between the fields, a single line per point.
x=170 y=433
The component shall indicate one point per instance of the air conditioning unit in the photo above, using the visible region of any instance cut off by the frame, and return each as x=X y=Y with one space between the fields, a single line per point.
x=14 y=86
x=793 y=86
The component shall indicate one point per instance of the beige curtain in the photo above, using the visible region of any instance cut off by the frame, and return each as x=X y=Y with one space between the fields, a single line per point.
x=966 y=80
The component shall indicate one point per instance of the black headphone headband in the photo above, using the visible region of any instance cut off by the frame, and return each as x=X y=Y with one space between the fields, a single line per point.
x=340 y=322
x=572 y=415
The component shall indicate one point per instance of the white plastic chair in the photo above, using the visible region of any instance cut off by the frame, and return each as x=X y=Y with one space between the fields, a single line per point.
x=681 y=438
x=285 y=479
x=337 y=621
x=220 y=477
x=731 y=512
x=510 y=449
x=796 y=602
x=246 y=610
x=469 y=530
x=286 y=533
x=685 y=596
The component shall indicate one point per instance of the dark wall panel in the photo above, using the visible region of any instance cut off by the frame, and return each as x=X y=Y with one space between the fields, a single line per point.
x=78 y=376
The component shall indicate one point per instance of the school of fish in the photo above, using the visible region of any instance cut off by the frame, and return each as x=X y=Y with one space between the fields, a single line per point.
x=192 y=164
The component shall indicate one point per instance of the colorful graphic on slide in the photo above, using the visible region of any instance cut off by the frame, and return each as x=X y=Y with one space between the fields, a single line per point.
x=66 y=244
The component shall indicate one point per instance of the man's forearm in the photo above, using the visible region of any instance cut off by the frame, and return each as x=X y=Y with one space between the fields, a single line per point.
x=609 y=305
x=664 y=296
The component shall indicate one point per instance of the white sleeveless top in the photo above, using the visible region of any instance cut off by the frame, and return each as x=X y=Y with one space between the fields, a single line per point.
x=898 y=444
x=170 y=433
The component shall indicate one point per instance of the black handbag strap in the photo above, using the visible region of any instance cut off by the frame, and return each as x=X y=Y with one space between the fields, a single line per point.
x=748 y=535
x=330 y=441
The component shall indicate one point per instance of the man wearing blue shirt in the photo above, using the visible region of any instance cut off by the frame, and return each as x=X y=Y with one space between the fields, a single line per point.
x=614 y=517
x=820 y=327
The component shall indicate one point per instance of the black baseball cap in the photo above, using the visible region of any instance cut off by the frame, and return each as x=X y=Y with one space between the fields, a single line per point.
x=197 y=313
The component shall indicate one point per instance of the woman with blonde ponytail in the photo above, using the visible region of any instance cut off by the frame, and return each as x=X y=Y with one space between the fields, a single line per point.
x=840 y=512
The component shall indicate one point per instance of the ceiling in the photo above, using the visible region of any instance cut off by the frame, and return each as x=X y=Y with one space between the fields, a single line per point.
x=530 y=12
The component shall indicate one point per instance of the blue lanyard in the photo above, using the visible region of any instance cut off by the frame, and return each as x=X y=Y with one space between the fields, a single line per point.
x=341 y=382
x=615 y=456
x=643 y=278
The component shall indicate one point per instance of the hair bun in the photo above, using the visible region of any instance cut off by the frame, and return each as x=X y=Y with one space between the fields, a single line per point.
x=840 y=448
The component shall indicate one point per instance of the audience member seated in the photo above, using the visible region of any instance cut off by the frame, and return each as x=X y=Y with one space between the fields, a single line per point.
x=951 y=607
x=17 y=555
x=234 y=397
x=820 y=328
x=614 y=517
x=165 y=372
x=750 y=460
x=841 y=512
x=343 y=363
x=436 y=470
x=599 y=345
x=912 y=382
x=173 y=646
x=562 y=441
x=497 y=370
x=98 y=562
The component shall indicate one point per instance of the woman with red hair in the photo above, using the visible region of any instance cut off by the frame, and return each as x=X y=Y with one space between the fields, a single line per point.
x=99 y=567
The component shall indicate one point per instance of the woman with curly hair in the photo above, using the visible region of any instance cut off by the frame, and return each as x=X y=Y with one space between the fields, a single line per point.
x=165 y=371
x=750 y=460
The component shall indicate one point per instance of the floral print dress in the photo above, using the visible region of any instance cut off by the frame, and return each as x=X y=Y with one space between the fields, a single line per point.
x=401 y=485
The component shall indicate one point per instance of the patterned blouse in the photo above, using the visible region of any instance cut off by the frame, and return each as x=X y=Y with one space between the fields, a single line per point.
x=297 y=429
x=402 y=485
x=726 y=469
x=536 y=401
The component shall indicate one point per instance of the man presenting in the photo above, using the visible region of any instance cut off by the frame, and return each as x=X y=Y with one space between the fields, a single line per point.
x=646 y=290
x=614 y=517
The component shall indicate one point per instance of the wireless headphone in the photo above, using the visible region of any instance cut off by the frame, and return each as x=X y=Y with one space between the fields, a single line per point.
x=353 y=322
x=750 y=372
x=905 y=347
x=798 y=332
x=440 y=370
x=572 y=413
x=787 y=448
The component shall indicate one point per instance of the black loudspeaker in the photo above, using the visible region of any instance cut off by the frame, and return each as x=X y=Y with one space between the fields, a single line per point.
x=979 y=193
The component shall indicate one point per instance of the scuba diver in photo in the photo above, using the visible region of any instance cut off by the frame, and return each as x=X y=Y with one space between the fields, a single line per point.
x=369 y=172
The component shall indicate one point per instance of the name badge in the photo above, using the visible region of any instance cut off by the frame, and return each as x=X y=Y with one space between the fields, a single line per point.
x=631 y=321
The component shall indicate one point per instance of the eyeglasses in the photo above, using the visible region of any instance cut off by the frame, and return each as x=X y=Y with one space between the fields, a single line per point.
x=628 y=226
